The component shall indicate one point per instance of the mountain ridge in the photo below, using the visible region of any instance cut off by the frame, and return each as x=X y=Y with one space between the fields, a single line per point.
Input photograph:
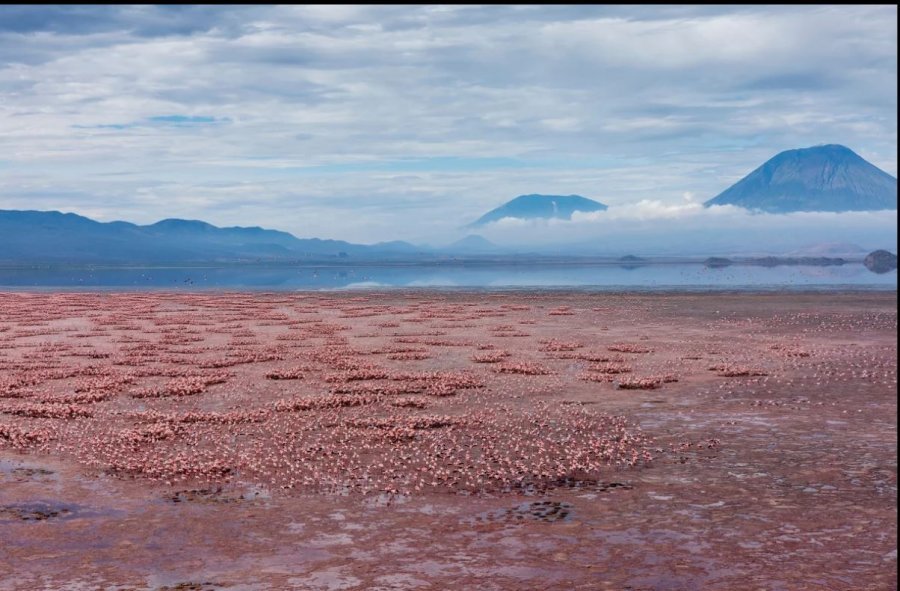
x=54 y=236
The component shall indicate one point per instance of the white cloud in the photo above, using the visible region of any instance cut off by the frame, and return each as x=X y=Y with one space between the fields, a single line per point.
x=561 y=123
x=425 y=117
x=654 y=227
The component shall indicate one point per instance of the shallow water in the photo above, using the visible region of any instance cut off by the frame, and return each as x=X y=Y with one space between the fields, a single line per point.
x=604 y=277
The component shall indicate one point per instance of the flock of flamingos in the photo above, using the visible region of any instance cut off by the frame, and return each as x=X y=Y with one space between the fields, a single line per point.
x=332 y=394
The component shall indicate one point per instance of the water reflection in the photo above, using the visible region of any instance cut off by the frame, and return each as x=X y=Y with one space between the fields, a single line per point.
x=496 y=276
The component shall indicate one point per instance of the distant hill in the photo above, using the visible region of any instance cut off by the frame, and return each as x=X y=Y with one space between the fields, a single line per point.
x=55 y=237
x=631 y=262
x=822 y=178
x=716 y=262
x=540 y=207
x=472 y=244
x=828 y=249
x=772 y=261
x=881 y=261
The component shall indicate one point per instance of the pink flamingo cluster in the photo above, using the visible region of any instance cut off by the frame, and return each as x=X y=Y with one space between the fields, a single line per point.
x=344 y=393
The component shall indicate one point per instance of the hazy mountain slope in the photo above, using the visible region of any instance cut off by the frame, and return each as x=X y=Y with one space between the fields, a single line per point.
x=821 y=178
x=540 y=207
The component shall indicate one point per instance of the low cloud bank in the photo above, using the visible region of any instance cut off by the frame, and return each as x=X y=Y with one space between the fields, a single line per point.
x=654 y=227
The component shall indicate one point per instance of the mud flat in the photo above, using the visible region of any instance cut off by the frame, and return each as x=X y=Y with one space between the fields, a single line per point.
x=438 y=440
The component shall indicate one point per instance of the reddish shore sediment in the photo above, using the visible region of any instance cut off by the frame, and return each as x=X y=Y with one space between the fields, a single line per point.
x=437 y=440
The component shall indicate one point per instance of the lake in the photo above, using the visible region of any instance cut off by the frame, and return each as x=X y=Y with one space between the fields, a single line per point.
x=646 y=277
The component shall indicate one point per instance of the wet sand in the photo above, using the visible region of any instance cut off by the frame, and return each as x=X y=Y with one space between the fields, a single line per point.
x=448 y=440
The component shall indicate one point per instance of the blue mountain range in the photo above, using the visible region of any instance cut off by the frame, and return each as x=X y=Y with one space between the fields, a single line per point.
x=51 y=236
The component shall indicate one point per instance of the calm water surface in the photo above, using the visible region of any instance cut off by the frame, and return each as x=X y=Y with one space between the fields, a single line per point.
x=694 y=276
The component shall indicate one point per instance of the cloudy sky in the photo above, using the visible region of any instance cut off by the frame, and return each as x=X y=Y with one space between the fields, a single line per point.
x=378 y=123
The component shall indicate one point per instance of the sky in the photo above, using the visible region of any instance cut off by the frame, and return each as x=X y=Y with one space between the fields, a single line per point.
x=371 y=123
